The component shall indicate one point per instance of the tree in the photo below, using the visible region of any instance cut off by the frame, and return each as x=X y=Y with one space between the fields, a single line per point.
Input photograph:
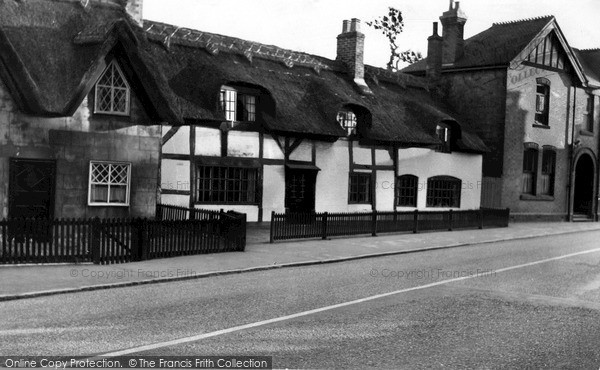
x=391 y=26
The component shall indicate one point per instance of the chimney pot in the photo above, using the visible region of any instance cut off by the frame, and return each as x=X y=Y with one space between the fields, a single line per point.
x=435 y=28
x=346 y=26
x=355 y=25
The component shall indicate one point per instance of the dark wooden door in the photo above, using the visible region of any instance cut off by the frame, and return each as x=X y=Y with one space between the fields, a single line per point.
x=584 y=186
x=300 y=190
x=31 y=188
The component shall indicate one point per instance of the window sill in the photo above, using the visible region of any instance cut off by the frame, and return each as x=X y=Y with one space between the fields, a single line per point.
x=444 y=207
x=539 y=125
x=107 y=205
x=538 y=198
x=586 y=133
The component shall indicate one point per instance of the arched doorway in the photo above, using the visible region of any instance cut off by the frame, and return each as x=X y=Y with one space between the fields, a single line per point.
x=583 y=198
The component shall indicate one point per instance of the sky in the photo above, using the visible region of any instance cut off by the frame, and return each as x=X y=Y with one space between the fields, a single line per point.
x=311 y=26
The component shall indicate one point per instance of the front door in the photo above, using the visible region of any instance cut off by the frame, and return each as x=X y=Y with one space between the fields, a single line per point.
x=300 y=190
x=584 y=187
x=31 y=188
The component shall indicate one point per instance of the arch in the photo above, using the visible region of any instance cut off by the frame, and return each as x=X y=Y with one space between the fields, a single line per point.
x=584 y=184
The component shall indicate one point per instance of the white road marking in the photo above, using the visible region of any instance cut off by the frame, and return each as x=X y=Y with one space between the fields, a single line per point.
x=195 y=338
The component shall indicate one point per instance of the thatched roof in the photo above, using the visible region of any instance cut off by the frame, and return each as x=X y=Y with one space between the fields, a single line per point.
x=51 y=53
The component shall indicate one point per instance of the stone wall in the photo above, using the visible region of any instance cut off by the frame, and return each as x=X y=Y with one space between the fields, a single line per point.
x=72 y=142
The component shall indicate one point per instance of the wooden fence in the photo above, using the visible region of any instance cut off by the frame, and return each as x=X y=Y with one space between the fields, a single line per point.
x=285 y=226
x=108 y=241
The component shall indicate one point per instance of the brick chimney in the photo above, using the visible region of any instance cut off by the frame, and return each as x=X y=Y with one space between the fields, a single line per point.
x=134 y=9
x=453 y=34
x=350 y=50
x=435 y=45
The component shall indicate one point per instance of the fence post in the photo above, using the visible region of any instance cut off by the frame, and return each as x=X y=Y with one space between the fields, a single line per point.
x=374 y=223
x=324 y=225
x=480 y=216
x=507 y=216
x=271 y=234
x=416 y=222
x=141 y=225
x=450 y=220
x=95 y=242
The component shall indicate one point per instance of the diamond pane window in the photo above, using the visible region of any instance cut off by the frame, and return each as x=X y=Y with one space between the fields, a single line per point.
x=109 y=184
x=112 y=92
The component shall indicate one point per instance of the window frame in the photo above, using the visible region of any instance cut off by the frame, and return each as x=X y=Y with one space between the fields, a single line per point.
x=232 y=99
x=454 y=195
x=542 y=117
x=589 y=113
x=358 y=198
x=447 y=136
x=412 y=189
x=91 y=183
x=530 y=171
x=203 y=183
x=114 y=67
x=548 y=171
x=348 y=115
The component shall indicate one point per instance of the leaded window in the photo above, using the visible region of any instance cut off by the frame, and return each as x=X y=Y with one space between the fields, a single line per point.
x=347 y=119
x=443 y=191
x=359 y=188
x=221 y=184
x=407 y=190
x=109 y=184
x=112 y=92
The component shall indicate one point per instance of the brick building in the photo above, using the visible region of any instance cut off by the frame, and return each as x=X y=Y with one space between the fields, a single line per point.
x=527 y=94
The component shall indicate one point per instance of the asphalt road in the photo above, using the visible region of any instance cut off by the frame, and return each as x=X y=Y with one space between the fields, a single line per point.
x=532 y=303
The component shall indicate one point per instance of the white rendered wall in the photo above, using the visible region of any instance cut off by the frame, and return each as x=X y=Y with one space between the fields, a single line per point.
x=425 y=163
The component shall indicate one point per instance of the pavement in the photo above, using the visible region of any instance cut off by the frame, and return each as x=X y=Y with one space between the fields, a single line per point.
x=28 y=281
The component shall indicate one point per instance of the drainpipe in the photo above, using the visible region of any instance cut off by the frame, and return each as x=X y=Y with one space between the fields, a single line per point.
x=597 y=187
x=570 y=185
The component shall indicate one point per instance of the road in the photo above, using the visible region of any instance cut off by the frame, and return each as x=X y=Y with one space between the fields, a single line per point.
x=530 y=303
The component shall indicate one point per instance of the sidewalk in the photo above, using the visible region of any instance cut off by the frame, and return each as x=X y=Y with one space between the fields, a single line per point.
x=38 y=280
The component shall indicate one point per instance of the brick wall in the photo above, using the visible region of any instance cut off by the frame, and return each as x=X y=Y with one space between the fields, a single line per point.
x=480 y=99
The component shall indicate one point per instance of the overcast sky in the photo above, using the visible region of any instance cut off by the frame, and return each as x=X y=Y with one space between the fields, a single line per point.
x=312 y=25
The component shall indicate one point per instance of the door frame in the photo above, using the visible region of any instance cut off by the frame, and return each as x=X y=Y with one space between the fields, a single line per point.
x=11 y=178
x=576 y=159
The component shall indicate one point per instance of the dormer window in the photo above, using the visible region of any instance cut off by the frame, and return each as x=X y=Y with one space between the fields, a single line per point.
x=238 y=104
x=443 y=133
x=112 y=92
x=347 y=119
